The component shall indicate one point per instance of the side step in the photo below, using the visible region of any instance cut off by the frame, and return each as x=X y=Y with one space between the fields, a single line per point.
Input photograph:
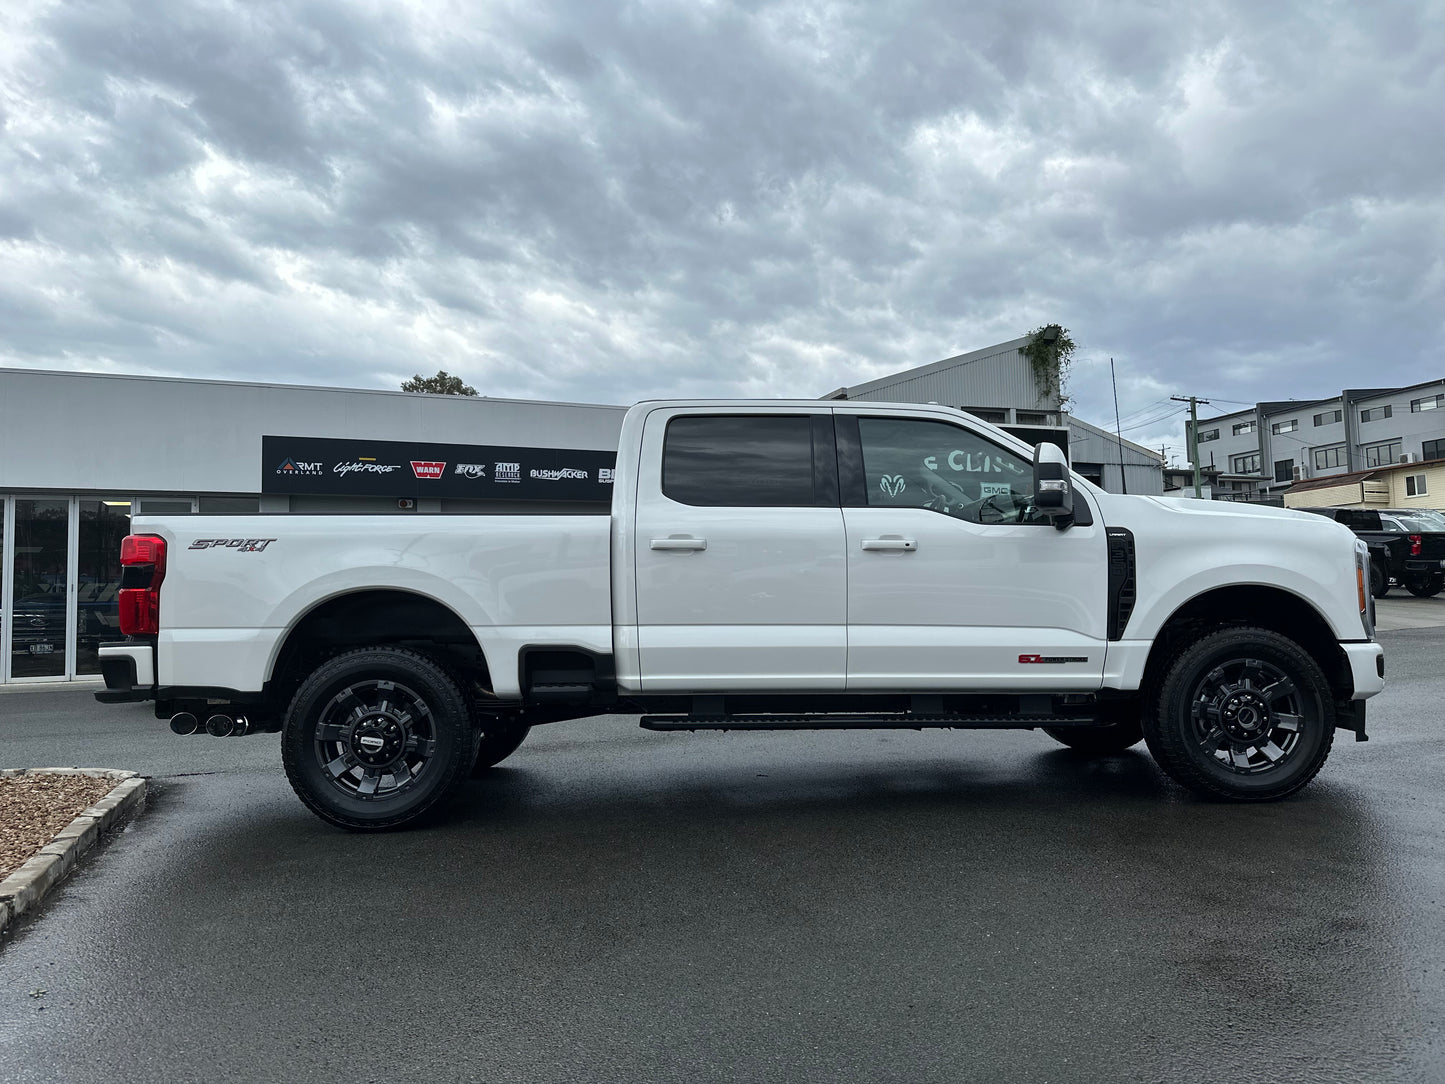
x=895 y=721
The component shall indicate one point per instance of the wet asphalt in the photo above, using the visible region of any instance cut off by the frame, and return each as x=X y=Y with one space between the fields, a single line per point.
x=617 y=905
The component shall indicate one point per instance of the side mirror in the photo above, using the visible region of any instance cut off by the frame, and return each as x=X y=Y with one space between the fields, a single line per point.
x=1053 y=490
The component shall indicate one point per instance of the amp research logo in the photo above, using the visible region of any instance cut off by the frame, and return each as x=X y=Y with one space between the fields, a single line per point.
x=295 y=468
x=428 y=471
x=240 y=545
x=471 y=470
x=892 y=484
x=507 y=472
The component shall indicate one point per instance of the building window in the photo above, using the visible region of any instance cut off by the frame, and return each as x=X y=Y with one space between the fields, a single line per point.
x=1329 y=417
x=1284 y=470
x=1433 y=449
x=1032 y=417
x=1326 y=458
x=1377 y=413
x=1415 y=485
x=1245 y=464
x=1382 y=455
x=1430 y=402
x=1285 y=427
x=1245 y=427
x=1208 y=434
x=988 y=414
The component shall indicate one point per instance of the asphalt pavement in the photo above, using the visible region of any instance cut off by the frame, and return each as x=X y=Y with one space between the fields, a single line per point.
x=617 y=905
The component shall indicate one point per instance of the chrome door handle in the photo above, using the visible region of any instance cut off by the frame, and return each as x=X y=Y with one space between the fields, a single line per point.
x=679 y=543
x=906 y=545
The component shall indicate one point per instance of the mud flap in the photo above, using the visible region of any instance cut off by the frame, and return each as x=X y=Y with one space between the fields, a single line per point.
x=1350 y=715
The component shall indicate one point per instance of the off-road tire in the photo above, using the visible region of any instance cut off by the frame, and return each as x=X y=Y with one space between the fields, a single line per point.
x=496 y=741
x=1099 y=740
x=377 y=708
x=1379 y=580
x=1230 y=671
x=1426 y=586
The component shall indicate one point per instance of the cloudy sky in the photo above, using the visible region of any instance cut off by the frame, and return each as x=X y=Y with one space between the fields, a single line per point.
x=598 y=201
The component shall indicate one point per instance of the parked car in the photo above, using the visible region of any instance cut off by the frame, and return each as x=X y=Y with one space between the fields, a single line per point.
x=1405 y=545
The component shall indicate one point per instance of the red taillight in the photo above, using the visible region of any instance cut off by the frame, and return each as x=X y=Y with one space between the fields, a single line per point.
x=143 y=567
x=1414 y=545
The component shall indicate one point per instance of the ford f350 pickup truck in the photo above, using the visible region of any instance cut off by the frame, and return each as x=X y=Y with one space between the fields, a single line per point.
x=766 y=565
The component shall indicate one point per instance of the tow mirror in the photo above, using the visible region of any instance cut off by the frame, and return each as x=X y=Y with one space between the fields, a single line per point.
x=1053 y=489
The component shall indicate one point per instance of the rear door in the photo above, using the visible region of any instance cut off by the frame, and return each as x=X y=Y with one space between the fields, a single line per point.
x=741 y=579
x=953 y=581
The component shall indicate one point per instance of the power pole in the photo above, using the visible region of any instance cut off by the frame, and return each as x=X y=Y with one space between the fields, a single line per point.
x=1193 y=402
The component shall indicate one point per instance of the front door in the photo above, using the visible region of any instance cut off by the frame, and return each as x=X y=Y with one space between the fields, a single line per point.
x=954 y=582
x=740 y=571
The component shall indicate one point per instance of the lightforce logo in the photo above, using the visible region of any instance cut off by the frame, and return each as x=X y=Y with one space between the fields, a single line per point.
x=428 y=470
x=562 y=474
x=364 y=465
x=471 y=470
x=506 y=472
x=240 y=545
x=296 y=468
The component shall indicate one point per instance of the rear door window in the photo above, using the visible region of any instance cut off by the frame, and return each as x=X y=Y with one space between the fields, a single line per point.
x=740 y=461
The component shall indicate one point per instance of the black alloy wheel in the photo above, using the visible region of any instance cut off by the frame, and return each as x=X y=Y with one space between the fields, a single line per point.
x=1243 y=713
x=375 y=738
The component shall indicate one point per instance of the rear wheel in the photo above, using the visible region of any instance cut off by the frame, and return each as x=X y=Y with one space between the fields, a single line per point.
x=375 y=738
x=1123 y=729
x=1427 y=586
x=1244 y=714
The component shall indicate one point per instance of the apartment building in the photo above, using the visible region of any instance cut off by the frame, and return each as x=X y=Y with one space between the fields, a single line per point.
x=1284 y=442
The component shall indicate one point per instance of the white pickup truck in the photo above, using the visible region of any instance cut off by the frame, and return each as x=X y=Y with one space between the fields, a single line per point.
x=766 y=565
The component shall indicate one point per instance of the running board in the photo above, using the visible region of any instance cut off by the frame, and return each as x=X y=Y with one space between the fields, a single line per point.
x=862 y=722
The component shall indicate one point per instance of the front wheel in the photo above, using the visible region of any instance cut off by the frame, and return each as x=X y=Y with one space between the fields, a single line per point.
x=1427 y=586
x=1244 y=714
x=375 y=738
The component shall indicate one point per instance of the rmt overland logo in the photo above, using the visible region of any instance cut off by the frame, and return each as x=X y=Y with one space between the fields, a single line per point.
x=506 y=472
x=428 y=470
x=297 y=468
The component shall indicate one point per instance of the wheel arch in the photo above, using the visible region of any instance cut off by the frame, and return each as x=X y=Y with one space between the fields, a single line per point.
x=1258 y=605
x=379 y=615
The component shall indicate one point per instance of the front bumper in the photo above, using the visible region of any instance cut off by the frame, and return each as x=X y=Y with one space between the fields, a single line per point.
x=129 y=670
x=1367 y=669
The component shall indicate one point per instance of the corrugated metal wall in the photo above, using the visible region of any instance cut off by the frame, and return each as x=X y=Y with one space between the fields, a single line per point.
x=999 y=377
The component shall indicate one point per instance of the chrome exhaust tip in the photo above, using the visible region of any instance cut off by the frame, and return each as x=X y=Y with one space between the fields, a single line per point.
x=184 y=723
x=220 y=726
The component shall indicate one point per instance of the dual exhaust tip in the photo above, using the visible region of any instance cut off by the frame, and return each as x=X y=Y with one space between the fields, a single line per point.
x=218 y=725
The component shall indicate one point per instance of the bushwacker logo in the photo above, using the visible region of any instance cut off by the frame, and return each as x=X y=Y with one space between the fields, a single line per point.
x=240 y=545
x=433 y=471
x=1052 y=658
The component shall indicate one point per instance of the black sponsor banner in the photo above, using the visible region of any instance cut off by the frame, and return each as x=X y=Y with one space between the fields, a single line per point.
x=391 y=468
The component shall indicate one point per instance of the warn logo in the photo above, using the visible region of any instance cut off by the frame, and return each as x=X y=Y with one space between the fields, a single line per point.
x=433 y=471
x=1030 y=659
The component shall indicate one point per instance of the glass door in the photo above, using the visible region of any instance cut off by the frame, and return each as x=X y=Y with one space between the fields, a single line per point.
x=102 y=525
x=39 y=606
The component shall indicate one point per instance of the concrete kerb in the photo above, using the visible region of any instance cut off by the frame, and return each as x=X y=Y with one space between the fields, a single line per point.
x=28 y=885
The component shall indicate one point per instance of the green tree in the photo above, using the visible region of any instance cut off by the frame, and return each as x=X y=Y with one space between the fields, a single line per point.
x=441 y=384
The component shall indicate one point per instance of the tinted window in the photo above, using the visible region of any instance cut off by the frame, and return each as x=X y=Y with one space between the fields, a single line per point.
x=739 y=461
x=909 y=463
